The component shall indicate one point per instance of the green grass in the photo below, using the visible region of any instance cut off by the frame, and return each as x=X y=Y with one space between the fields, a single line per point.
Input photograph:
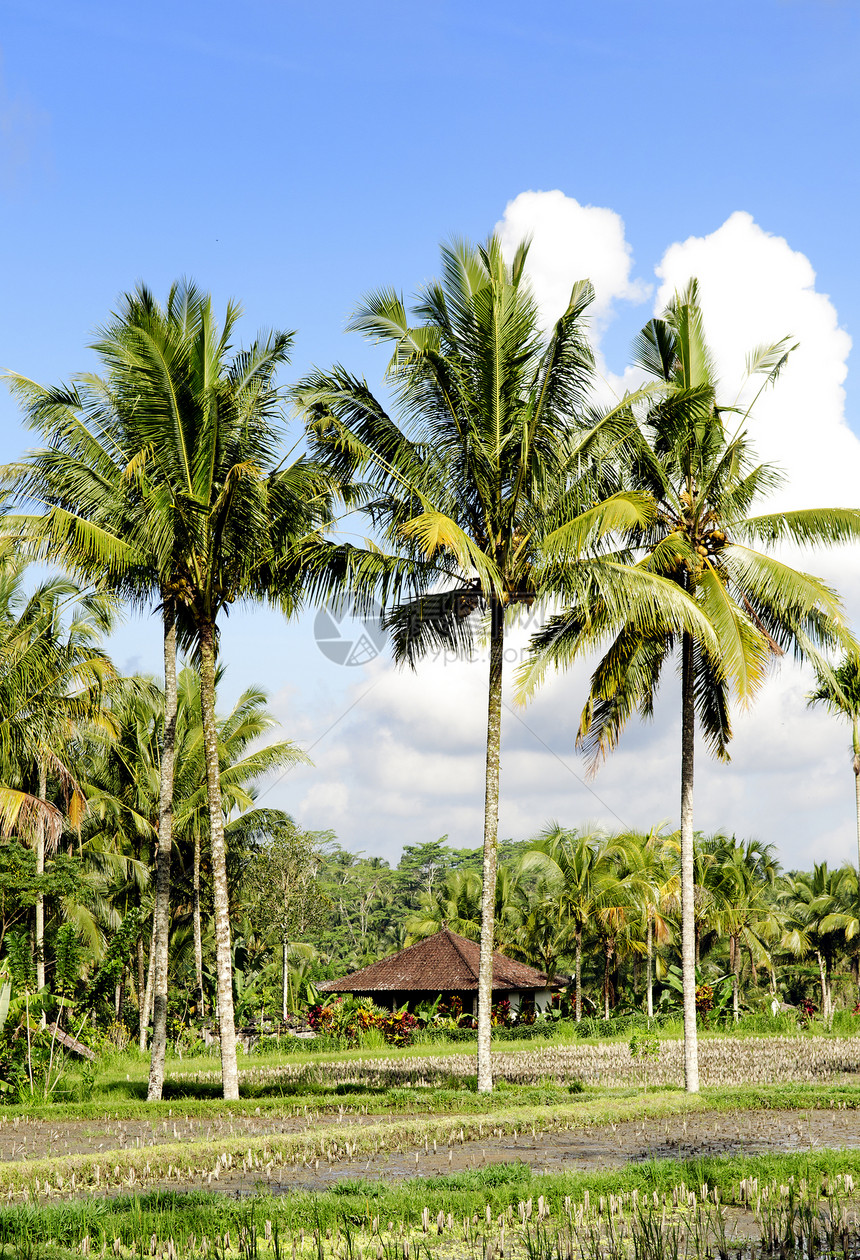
x=123 y=1078
x=460 y=1097
x=127 y=1073
x=357 y=1205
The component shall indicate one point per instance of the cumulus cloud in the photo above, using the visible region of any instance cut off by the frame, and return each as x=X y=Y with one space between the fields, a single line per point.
x=756 y=289
x=572 y=242
x=407 y=762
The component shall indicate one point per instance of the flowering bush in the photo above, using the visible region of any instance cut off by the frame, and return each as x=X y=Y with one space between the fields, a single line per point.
x=501 y=1012
x=398 y=1027
x=345 y=1017
x=806 y=1010
x=348 y=1017
x=704 y=999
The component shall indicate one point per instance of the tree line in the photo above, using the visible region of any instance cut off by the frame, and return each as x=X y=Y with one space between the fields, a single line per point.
x=495 y=482
x=599 y=913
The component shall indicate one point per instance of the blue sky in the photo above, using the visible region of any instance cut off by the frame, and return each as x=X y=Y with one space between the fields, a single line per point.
x=294 y=156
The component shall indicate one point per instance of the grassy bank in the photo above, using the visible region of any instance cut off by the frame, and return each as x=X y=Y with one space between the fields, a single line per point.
x=414 y=1119
x=449 y=1215
x=318 y=1101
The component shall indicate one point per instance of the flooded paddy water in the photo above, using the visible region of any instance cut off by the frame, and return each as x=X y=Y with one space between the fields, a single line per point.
x=586 y=1149
x=583 y=1148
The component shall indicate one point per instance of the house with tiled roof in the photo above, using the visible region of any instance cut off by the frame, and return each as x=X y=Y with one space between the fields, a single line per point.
x=444 y=964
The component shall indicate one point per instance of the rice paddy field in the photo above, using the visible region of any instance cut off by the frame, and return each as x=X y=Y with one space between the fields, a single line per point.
x=582 y=1152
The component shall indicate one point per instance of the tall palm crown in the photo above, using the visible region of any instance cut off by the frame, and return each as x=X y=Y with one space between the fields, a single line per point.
x=693 y=456
x=489 y=486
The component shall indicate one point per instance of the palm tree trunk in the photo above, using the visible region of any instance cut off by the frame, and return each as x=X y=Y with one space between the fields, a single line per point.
x=857 y=790
x=40 y=870
x=579 y=973
x=822 y=975
x=198 y=934
x=491 y=828
x=146 y=1005
x=688 y=906
x=735 y=951
x=161 y=910
x=606 y=963
x=141 y=973
x=286 y=980
x=220 y=895
x=649 y=970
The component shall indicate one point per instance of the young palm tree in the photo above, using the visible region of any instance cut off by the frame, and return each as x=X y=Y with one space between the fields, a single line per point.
x=839 y=691
x=579 y=866
x=653 y=859
x=487 y=490
x=747 y=913
x=842 y=907
x=122 y=791
x=242 y=764
x=694 y=457
x=456 y=903
x=815 y=902
x=52 y=679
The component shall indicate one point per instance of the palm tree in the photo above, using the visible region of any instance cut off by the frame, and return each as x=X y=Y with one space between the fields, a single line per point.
x=578 y=865
x=166 y=477
x=52 y=679
x=654 y=858
x=627 y=893
x=839 y=691
x=694 y=458
x=237 y=513
x=842 y=915
x=744 y=875
x=242 y=764
x=100 y=522
x=486 y=489
x=815 y=906
x=456 y=903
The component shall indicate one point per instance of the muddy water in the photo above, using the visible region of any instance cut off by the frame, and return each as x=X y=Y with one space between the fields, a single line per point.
x=582 y=1149
x=589 y=1149
x=23 y=1138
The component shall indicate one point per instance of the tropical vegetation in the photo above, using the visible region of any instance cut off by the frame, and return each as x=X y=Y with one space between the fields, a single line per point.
x=146 y=894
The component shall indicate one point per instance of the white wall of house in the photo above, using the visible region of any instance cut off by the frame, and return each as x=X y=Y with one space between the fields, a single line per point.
x=543 y=999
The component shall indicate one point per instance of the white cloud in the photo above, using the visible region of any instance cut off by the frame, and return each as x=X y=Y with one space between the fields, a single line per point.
x=572 y=242
x=755 y=289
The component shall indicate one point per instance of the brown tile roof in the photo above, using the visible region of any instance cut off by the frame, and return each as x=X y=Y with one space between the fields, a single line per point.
x=444 y=962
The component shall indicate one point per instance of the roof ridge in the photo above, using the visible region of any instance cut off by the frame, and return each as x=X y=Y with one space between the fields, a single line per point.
x=455 y=940
x=426 y=966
